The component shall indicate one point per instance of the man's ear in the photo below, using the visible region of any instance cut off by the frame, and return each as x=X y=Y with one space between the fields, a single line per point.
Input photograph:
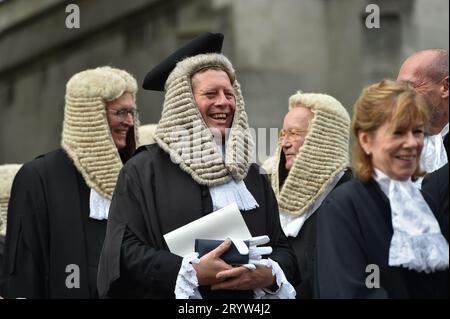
x=444 y=88
x=365 y=140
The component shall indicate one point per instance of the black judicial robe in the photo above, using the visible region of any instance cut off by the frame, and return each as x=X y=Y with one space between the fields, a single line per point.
x=154 y=196
x=304 y=247
x=354 y=230
x=49 y=229
x=2 y=244
x=435 y=185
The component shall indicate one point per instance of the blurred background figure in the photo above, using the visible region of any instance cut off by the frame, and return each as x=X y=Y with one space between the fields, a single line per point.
x=312 y=159
x=147 y=134
x=268 y=165
x=378 y=236
x=60 y=201
x=7 y=173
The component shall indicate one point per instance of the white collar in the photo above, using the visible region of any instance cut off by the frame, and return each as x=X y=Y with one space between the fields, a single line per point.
x=417 y=242
x=433 y=154
x=98 y=206
x=444 y=131
x=292 y=224
x=232 y=192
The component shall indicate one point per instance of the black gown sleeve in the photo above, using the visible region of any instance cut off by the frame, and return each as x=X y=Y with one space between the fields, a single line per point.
x=435 y=185
x=148 y=268
x=340 y=265
x=133 y=262
x=25 y=267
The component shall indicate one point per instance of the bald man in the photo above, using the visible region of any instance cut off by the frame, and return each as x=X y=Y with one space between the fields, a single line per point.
x=427 y=71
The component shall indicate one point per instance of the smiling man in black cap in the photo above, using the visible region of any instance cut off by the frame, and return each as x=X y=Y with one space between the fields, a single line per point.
x=201 y=162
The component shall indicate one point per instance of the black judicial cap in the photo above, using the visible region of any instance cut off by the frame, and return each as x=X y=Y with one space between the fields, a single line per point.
x=204 y=43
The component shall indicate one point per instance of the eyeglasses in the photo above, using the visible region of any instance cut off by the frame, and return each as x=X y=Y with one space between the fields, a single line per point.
x=292 y=132
x=123 y=113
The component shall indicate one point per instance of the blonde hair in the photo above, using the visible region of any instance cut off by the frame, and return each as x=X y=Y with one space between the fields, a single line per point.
x=378 y=103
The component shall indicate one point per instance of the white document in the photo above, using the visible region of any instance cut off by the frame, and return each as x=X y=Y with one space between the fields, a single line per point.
x=223 y=223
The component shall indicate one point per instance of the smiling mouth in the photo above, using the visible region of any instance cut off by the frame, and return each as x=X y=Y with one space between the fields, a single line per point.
x=408 y=158
x=122 y=132
x=219 y=116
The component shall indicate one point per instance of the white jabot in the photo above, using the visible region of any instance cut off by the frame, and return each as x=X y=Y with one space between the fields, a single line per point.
x=433 y=154
x=232 y=192
x=417 y=242
x=292 y=224
x=98 y=206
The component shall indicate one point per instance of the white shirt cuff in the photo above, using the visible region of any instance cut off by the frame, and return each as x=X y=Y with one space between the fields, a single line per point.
x=186 y=286
x=285 y=289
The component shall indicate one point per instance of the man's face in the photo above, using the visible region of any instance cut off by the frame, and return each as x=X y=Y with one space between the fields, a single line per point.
x=215 y=98
x=120 y=114
x=412 y=71
x=295 y=129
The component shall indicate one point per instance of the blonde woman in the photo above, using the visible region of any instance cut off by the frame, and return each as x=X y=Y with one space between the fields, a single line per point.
x=377 y=235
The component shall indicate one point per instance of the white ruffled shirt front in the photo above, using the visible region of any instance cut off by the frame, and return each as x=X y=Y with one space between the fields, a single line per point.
x=292 y=224
x=417 y=242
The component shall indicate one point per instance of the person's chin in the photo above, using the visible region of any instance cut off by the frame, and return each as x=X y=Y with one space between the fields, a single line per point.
x=121 y=145
x=218 y=131
x=403 y=175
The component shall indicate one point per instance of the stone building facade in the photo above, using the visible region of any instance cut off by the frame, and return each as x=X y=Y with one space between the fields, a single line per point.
x=277 y=48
